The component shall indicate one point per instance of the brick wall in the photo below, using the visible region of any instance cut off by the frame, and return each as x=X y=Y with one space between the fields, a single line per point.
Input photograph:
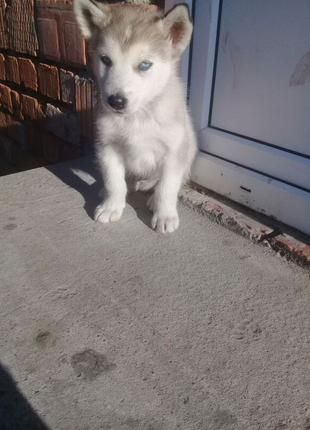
x=47 y=95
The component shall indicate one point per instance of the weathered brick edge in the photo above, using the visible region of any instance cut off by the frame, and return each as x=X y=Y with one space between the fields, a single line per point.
x=270 y=236
x=291 y=249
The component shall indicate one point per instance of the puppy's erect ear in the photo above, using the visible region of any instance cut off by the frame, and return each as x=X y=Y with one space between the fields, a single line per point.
x=178 y=27
x=90 y=15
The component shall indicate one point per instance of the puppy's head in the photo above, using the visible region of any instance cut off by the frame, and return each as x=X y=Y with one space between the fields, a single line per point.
x=135 y=50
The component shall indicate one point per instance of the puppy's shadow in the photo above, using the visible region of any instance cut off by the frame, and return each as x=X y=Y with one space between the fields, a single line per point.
x=138 y=201
x=84 y=176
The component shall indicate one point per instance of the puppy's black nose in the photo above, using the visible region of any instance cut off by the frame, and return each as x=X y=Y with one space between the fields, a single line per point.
x=117 y=102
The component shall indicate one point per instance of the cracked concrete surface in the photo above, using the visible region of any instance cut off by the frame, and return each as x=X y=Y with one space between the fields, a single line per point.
x=115 y=327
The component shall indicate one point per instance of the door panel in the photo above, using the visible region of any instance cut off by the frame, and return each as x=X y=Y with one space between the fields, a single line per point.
x=250 y=102
x=262 y=76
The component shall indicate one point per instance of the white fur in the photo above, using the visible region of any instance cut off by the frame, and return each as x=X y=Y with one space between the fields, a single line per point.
x=152 y=140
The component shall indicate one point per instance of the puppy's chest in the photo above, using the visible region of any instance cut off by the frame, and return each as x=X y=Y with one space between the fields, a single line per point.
x=143 y=149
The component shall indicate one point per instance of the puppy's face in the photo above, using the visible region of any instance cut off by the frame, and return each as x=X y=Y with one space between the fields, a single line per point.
x=130 y=74
x=135 y=51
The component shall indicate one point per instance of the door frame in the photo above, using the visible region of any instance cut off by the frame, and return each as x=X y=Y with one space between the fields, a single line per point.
x=248 y=186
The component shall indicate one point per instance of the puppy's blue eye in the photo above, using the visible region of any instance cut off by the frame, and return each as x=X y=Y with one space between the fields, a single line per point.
x=106 y=60
x=145 y=65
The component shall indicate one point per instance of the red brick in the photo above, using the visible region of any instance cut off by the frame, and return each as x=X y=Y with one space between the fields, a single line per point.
x=49 y=81
x=3 y=122
x=85 y=103
x=73 y=43
x=12 y=69
x=13 y=128
x=48 y=38
x=67 y=82
x=2 y=68
x=19 y=16
x=59 y=35
x=51 y=147
x=28 y=73
x=55 y=4
x=30 y=108
x=292 y=248
x=225 y=215
x=16 y=104
x=34 y=137
x=41 y=143
x=4 y=37
x=5 y=98
x=9 y=126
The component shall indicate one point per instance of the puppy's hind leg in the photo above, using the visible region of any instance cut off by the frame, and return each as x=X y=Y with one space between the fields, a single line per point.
x=147 y=184
x=141 y=184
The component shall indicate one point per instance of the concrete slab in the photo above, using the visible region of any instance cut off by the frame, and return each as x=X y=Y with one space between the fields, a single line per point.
x=116 y=327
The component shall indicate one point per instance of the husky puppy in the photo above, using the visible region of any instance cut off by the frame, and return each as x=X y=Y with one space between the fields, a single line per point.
x=145 y=133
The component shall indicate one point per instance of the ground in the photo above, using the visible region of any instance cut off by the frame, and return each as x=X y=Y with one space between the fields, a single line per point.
x=115 y=327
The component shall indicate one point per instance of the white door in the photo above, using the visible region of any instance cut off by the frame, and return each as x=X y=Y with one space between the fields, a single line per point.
x=250 y=101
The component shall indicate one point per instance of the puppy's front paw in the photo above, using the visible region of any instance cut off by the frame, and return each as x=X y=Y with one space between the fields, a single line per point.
x=165 y=223
x=108 y=212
